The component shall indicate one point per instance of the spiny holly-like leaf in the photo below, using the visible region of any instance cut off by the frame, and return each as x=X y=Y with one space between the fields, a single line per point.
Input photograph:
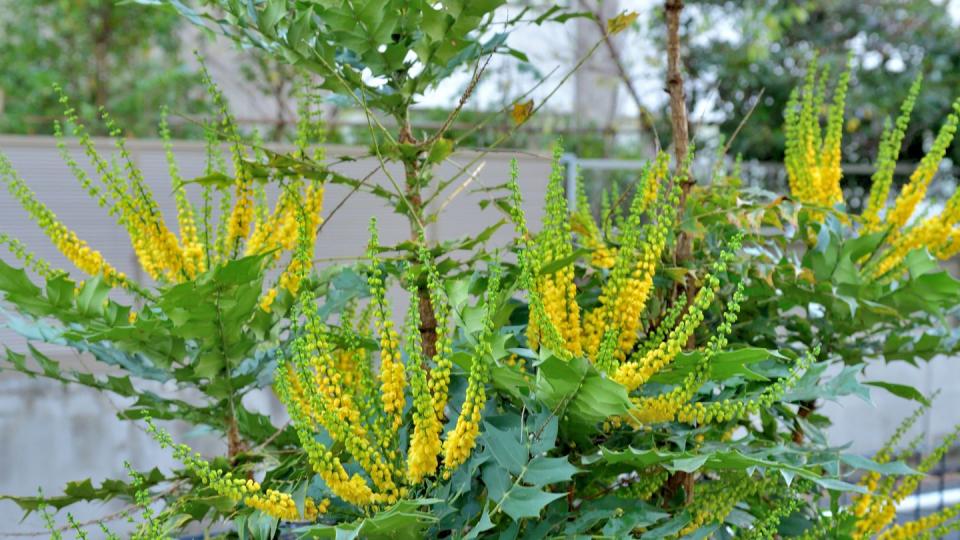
x=506 y=448
x=901 y=390
x=723 y=365
x=579 y=394
x=542 y=471
x=85 y=490
x=526 y=502
x=866 y=464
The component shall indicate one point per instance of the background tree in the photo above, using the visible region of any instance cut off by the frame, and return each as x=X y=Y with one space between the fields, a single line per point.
x=104 y=54
x=890 y=41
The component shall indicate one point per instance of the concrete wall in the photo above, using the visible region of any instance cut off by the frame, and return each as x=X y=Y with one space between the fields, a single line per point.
x=50 y=433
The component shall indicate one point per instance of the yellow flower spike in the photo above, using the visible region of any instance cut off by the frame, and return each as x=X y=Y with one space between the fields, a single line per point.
x=77 y=251
x=31 y=261
x=307 y=221
x=792 y=152
x=539 y=326
x=625 y=293
x=281 y=505
x=279 y=229
x=120 y=204
x=877 y=508
x=238 y=225
x=438 y=383
x=813 y=160
x=157 y=242
x=931 y=233
x=588 y=231
x=916 y=188
x=194 y=258
x=461 y=441
x=889 y=151
x=392 y=376
x=224 y=484
x=308 y=407
x=425 y=446
x=913 y=529
x=831 y=172
x=639 y=368
x=554 y=243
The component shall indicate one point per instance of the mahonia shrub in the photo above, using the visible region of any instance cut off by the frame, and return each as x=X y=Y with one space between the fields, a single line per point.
x=820 y=272
x=372 y=411
x=668 y=438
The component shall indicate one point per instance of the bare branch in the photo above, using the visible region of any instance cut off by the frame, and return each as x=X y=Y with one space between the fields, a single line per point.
x=474 y=80
x=645 y=117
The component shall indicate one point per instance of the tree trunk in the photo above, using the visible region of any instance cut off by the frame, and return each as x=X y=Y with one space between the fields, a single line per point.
x=681 y=142
x=411 y=169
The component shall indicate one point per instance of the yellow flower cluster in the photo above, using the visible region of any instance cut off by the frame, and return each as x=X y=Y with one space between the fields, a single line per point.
x=194 y=255
x=874 y=510
x=557 y=288
x=583 y=225
x=916 y=529
x=612 y=334
x=625 y=293
x=281 y=505
x=463 y=438
x=359 y=398
x=271 y=502
x=813 y=170
x=73 y=248
x=813 y=157
x=246 y=226
x=430 y=393
x=890 y=143
x=556 y=319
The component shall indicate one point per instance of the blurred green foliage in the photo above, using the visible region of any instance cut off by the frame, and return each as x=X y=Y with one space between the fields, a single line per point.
x=124 y=58
x=890 y=42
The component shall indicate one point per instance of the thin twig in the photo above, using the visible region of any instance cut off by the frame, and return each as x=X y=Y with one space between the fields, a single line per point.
x=474 y=80
x=383 y=165
x=506 y=108
x=347 y=197
x=461 y=187
x=513 y=128
x=743 y=121
x=271 y=438
x=643 y=112
x=678 y=99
